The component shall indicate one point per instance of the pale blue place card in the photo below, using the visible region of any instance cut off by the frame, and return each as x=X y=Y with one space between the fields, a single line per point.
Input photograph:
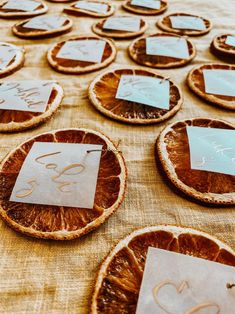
x=150 y=4
x=187 y=22
x=230 y=40
x=92 y=6
x=124 y=23
x=23 y=5
x=219 y=82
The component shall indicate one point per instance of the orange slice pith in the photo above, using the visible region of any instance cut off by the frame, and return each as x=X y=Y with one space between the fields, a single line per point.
x=119 y=279
x=172 y=150
x=58 y=222
x=196 y=83
x=143 y=10
x=103 y=89
x=137 y=51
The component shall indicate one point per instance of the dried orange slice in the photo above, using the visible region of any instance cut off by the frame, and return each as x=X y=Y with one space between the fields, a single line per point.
x=91 y=12
x=103 y=89
x=144 y=10
x=221 y=49
x=172 y=150
x=15 y=13
x=165 y=25
x=118 y=283
x=137 y=51
x=196 y=83
x=79 y=67
x=15 y=120
x=15 y=63
x=58 y=222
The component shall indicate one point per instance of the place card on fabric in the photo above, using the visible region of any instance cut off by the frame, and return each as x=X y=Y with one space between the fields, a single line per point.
x=45 y=22
x=25 y=95
x=7 y=53
x=187 y=22
x=150 y=91
x=219 y=82
x=23 y=5
x=150 y=4
x=61 y=174
x=182 y=284
x=92 y=6
x=175 y=47
x=129 y=24
x=212 y=149
x=230 y=40
x=83 y=50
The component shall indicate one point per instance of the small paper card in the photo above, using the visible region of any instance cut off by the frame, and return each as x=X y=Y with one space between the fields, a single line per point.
x=212 y=149
x=61 y=174
x=45 y=23
x=187 y=22
x=230 y=40
x=83 y=50
x=145 y=90
x=150 y=4
x=175 y=47
x=7 y=53
x=23 y=5
x=129 y=24
x=25 y=95
x=181 y=284
x=92 y=6
x=219 y=82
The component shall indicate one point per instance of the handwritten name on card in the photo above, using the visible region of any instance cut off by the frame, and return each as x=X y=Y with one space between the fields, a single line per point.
x=175 y=47
x=212 y=149
x=219 y=82
x=23 y=5
x=129 y=24
x=7 y=53
x=174 y=283
x=92 y=6
x=83 y=50
x=25 y=95
x=45 y=23
x=145 y=90
x=61 y=174
x=230 y=40
x=150 y=4
x=187 y=22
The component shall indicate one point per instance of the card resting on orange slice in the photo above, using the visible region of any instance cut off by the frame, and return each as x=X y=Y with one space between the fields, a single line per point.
x=11 y=58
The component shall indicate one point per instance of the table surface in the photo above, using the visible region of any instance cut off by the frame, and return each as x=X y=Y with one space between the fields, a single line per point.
x=39 y=276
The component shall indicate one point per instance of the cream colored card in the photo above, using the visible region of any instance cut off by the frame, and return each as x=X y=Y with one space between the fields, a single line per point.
x=7 y=53
x=45 y=22
x=219 y=82
x=230 y=40
x=92 y=6
x=83 y=50
x=174 y=283
x=128 y=24
x=150 y=4
x=187 y=22
x=61 y=174
x=25 y=95
x=21 y=5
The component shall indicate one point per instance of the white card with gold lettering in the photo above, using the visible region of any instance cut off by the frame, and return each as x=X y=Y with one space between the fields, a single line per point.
x=212 y=149
x=61 y=174
x=150 y=4
x=92 y=6
x=219 y=82
x=45 y=22
x=83 y=50
x=128 y=24
x=230 y=40
x=23 y=5
x=150 y=91
x=168 y=46
x=174 y=283
x=7 y=53
x=187 y=22
x=25 y=95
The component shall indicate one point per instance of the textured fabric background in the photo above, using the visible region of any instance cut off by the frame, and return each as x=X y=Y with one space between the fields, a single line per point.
x=48 y=277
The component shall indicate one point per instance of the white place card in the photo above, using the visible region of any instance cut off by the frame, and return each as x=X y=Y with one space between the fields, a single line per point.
x=92 y=6
x=83 y=50
x=61 y=174
x=175 y=47
x=150 y=4
x=23 y=5
x=174 y=283
x=150 y=91
x=7 y=53
x=128 y=24
x=230 y=40
x=25 y=95
x=45 y=22
x=212 y=149
x=187 y=22
x=219 y=82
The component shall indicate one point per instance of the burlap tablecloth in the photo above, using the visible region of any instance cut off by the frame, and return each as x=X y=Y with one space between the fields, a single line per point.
x=49 y=277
